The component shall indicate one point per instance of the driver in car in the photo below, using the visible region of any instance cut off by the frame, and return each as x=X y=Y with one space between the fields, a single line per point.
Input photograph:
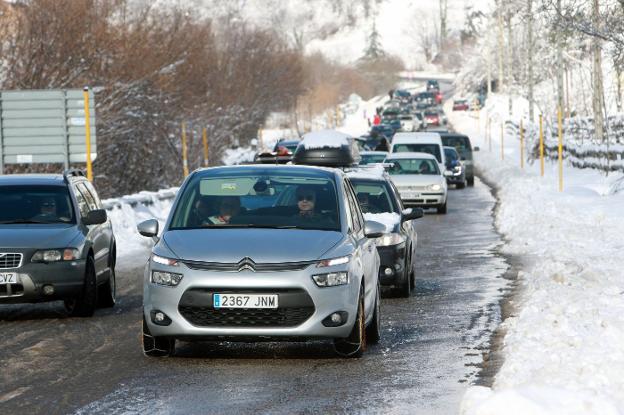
x=228 y=206
x=306 y=202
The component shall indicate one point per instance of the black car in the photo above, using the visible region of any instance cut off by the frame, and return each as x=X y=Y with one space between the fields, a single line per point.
x=56 y=243
x=379 y=199
x=461 y=143
x=433 y=85
x=382 y=130
x=456 y=167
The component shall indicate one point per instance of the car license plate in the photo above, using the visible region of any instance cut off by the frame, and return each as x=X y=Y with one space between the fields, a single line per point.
x=8 y=278
x=245 y=300
x=411 y=195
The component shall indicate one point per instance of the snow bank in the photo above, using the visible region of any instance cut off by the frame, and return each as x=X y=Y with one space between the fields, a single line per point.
x=128 y=211
x=563 y=351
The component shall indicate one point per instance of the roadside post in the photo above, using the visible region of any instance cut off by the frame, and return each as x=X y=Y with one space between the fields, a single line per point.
x=205 y=142
x=88 y=133
x=560 y=125
x=489 y=135
x=502 y=128
x=521 y=145
x=185 y=169
x=541 y=144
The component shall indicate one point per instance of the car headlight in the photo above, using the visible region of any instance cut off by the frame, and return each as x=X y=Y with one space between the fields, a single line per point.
x=434 y=187
x=334 y=261
x=55 y=255
x=390 y=239
x=164 y=261
x=166 y=278
x=332 y=279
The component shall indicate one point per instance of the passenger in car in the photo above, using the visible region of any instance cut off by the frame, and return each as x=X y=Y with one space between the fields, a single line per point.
x=229 y=206
x=306 y=202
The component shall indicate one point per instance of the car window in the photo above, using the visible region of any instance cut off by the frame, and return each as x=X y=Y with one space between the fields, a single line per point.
x=93 y=193
x=91 y=203
x=252 y=199
x=35 y=204
x=413 y=166
x=355 y=211
x=433 y=149
x=83 y=206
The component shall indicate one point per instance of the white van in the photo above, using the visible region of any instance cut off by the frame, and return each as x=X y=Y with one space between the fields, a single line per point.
x=425 y=142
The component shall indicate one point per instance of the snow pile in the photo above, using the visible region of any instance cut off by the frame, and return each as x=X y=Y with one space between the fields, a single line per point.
x=368 y=171
x=128 y=211
x=325 y=138
x=239 y=155
x=389 y=219
x=563 y=350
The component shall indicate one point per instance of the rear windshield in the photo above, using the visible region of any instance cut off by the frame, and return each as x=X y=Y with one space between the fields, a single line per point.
x=413 y=166
x=35 y=204
x=433 y=149
x=372 y=158
x=461 y=143
x=258 y=201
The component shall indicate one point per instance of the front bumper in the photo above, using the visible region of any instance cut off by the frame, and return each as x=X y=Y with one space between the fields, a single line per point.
x=391 y=258
x=425 y=200
x=459 y=179
x=67 y=278
x=302 y=305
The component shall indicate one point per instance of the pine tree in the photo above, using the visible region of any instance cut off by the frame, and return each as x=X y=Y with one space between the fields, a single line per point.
x=374 y=51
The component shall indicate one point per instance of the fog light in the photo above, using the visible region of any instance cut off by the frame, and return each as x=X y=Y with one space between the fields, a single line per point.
x=160 y=318
x=336 y=319
x=48 y=289
x=388 y=271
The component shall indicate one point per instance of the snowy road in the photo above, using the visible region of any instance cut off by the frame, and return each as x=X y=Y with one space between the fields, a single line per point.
x=431 y=348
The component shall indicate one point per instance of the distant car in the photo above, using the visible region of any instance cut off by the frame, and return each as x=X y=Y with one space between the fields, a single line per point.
x=422 y=142
x=390 y=114
x=371 y=157
x=380 y=201
x=456 y=168
x=433 y=85
x=433 y=118
x=282 y=152
x=460 y=105
x=462 y=144
x=425 y=99
x=301 y=265
x=402 y=95
x=56 y=243
x=408 y=123
x=419 y=180
x=395 y=124
x=382 y=129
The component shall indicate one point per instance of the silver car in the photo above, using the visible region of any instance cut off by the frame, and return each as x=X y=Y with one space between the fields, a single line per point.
x=256 y=253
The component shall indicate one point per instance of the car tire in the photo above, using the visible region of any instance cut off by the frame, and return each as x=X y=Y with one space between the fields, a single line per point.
x=154 y=346
x=373 y=331
x=442 y=209
x=85 y=304
x=470 y=181
x=107 y=292
x=354 y=345
x=405 y=288
x=412 y=274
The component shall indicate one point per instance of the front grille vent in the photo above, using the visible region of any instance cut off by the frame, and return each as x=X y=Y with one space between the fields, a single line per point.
x=240 y=266
x=10 y=260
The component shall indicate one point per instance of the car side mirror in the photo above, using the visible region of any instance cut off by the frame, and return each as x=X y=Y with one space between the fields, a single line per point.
x=148 y=228
x=374 y=229
x=476 y=148
x=411 y=214
x=447 y=173
x=95 y=217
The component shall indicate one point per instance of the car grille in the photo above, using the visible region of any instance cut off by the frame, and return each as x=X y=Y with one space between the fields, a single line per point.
x=10 y=260
x=412 y=188
x=295 y=307
x=11 y=290
x=257 y=267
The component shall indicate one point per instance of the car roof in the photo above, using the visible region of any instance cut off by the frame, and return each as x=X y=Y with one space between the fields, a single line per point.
x=410 y=155
x=368 y=172
x=420 y=137
x=32 y=179
x=271 y=167
x=373 y=153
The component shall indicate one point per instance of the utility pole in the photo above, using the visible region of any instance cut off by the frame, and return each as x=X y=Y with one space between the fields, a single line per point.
x=530 y=59
x=597 y=76
x=510 y=77
x=559 y=37
x=501 y=45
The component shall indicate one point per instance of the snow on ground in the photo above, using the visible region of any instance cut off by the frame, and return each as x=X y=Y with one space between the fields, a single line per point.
x=563 y=351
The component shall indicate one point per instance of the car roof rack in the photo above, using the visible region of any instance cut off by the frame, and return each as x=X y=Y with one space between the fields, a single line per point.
x=72 y=173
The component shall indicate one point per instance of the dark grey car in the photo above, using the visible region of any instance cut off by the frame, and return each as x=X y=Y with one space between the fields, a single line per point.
x=56 y=243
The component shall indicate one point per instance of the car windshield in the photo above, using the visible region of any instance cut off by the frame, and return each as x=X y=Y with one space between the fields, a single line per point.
x=451 y=155
x=373 y=196
x=250 y=200
x=35 y=204
x=433 y=149
x=413 y=166
x=372 y=158
x=461 y=143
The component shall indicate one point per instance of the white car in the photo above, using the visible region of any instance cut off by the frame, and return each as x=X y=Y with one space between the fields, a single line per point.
x=419 y=180
x=420 y=142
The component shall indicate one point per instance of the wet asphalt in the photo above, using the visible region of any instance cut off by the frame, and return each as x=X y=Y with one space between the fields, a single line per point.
x=432 y=348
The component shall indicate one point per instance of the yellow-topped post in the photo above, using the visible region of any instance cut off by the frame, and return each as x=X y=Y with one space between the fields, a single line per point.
x=205 y=142
x=85 y=93
x=541 y=144
x=185 y=168
x=559 y=115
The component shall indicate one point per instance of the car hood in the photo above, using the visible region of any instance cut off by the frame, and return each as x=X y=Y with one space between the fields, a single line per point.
x=261 y=245
x=403 y=180
x=37 y=236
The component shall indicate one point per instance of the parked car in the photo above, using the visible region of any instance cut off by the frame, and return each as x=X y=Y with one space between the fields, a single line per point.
x=460 y=105
x=419 y=180
x=372 y=157
x=461 y=143
x=380 y=201
x=298 y=267
x=423 y=142
x=282 y=152
x=456 y=168
x=56 y=243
